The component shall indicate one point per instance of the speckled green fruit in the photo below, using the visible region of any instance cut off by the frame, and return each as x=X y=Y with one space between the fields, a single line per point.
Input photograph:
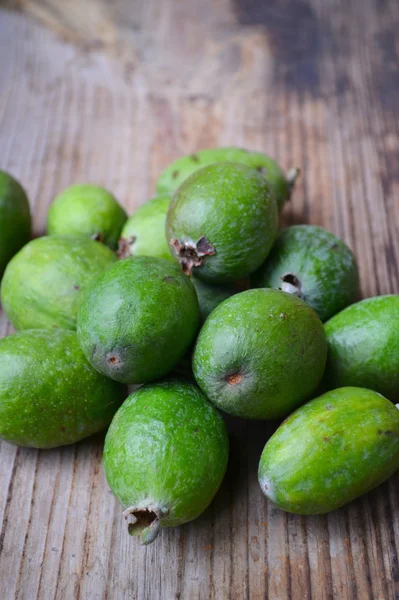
x=165 y=456
x=87 y=210
x=363 y=346
x=222 y=222
x=280 y=183
x=330 y=451
x=144 y=232
x=15 y=220
x=313 y=264
x=138 y=319
x=49 y=394
x=210 y=296
x=43 y=284
x=260 y=354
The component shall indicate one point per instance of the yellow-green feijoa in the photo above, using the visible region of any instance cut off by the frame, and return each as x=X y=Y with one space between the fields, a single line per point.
x=313 y=264
x=43 y=284
x=144 y=232
x=165 y=456
x=363 y=346
x=222 y=222
x=330 y=451
x=260 y=354
x=15 y=219
x=280 y=183
x=49 y=394
x=88 y=210
x=138 y=319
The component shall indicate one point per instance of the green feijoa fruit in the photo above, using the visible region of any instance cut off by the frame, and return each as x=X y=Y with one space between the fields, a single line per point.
x=210 y=296
x=49 y=394
x=43 y=284
x=15 y=219
x=313 y=264
x=87 y=210
x=260 y=354
x=280 y=183
x=363 y=346
x=138 y=319
x=222 y=222
x=165 y=456
x=330 y=451
x=144 y=232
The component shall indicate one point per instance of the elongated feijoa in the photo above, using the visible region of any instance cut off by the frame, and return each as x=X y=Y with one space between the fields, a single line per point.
x=43 y=284
x=165 y=456
x=49 y=394
x=88 y=210
x=330 y=451
x=363 y=346
x=138 y=319
x=313 y=264
x=260 y=354
x=222 y=222
x=280 y=183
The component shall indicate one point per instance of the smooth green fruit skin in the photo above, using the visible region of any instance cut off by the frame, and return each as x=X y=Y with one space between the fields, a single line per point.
x=87 y=210
x=210 y=296
x=43 y=284
x=138 y=319
x=231 y=205
x=325 y=267
x=260 y=354
x=175 y=173
x=144 y=231
x=330 y=451
x=363 y=346
x=167 y=447
x=15 y=219
x=49 y=394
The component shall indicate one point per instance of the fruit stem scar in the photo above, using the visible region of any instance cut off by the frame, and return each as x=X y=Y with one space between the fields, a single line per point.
x=234 y=378
x=192 y=254
x=291 y=284
x=144 y=521
x=113 y=360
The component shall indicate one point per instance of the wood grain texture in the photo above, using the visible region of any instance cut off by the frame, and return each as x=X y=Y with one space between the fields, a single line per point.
x=111 y=95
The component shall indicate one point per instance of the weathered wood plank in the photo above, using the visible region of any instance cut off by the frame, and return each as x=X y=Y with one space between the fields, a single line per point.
x=127 y=88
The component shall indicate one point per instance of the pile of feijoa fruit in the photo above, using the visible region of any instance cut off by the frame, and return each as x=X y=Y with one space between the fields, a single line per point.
x=201 y=301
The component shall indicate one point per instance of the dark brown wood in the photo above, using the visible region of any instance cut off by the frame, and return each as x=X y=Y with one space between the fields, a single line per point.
x=110 y=92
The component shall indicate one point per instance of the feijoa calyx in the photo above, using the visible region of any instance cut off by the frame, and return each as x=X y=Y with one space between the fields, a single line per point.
x=363 y=346
x=330 y=451
x=280 y=183
x=138 y=319
x=43 y=284
x=313 y=264
x=15 y=219
x=222 y=222
x=49 y=394
x=165 y=456
x=260 y=354
x=88 y=210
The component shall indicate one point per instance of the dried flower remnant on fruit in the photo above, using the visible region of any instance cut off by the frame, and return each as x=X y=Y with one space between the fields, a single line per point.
x=234 y=379
x=124 y=246
x=291 y=284
x=191 y=254
x=98 y=237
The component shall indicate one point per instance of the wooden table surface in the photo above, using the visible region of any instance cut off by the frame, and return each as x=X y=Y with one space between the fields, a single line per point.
x=110 y=92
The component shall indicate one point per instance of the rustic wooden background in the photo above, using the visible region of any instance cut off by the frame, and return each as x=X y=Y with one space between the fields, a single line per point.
x=109 y=92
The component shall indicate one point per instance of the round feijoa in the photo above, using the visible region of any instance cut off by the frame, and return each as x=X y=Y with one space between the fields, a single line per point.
x=15 y=219
x=260 y=354
x=138 y=319
x=313 y=264
x=210 y=296
x=330 y=451
x=144 y=232
x=49 y=394
x=222 y=222
x=88 y=210
x=165 y=456
x=363 y=346
x=43 y=284
x=280 y=183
